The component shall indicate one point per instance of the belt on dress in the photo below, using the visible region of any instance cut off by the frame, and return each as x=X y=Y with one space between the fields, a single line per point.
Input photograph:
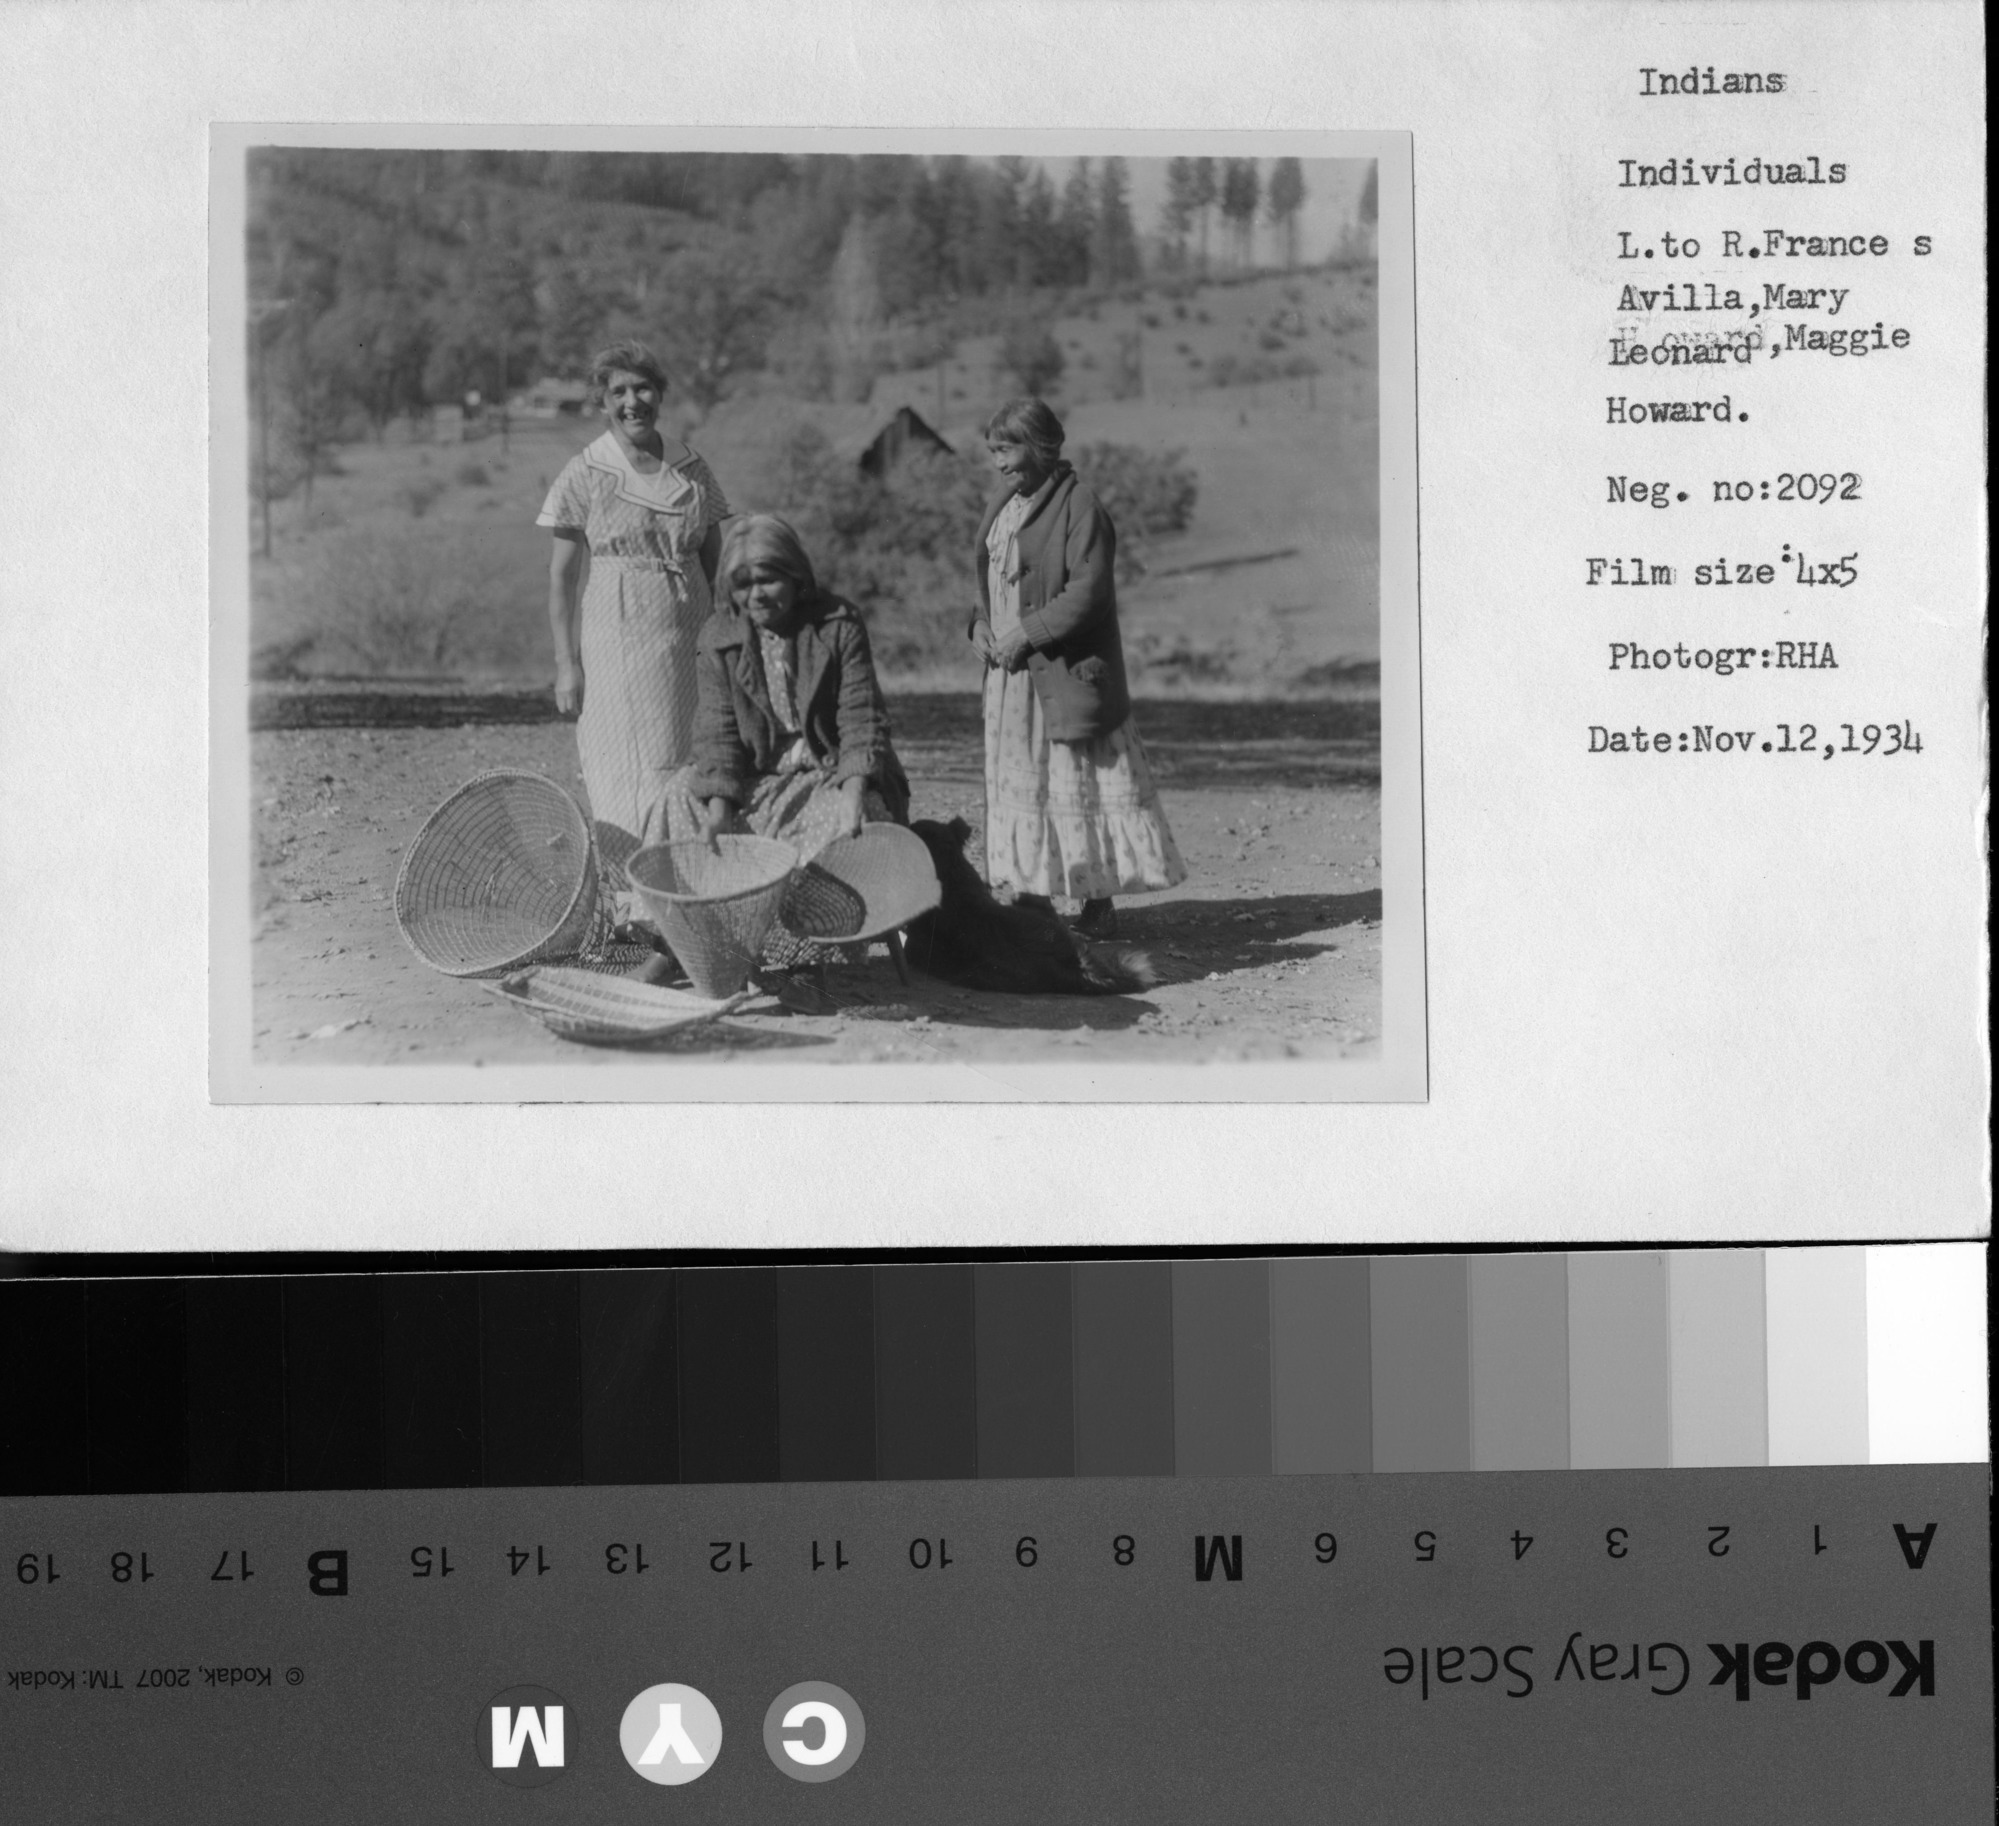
x=638 y=564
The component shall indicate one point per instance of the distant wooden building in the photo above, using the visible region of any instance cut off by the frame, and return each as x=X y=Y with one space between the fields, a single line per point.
x=906 y=430
x=553 y=399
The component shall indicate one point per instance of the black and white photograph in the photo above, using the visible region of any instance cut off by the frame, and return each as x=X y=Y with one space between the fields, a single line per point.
x=707 y=607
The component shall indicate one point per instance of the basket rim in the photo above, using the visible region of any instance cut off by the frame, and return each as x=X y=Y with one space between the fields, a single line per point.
x=873 y=924
x=616 y=1023
x=587 y=882
x=713 y=900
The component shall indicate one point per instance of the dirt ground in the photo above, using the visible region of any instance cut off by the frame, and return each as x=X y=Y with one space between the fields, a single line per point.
x=1271 y=949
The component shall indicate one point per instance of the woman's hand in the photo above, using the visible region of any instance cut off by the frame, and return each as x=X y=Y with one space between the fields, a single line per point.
x=1011 y=653
x=982 y=639
x=851 y=816
x=568 y=689
x=714 y=815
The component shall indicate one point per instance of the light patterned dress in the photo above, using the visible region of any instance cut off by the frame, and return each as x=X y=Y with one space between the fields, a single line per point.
x=1062 y=818
x=645 y=599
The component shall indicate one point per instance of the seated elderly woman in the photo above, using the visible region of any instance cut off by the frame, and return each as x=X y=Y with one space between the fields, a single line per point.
x=791 y=734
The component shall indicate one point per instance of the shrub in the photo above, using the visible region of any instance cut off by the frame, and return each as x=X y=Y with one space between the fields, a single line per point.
x=1031 y=355
x=1150 y=319
x=1269 y=341
x=420 y=496
x=1242 y=370
x=387 y=600
x=473 y=475
x=922 y=345
x=1146 y=492
x=901 y=547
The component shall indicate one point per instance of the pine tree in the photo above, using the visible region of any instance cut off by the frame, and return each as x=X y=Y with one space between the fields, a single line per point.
x=1040 y=262
x=1115 y=259
x=1203 y=196
x=1287 y=196
x=1239 y=199
x=1176 y=214
x=1001 y=233
x=1075 y=226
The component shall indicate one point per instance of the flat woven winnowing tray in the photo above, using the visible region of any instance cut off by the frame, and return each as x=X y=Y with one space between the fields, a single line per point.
x=607 y=1010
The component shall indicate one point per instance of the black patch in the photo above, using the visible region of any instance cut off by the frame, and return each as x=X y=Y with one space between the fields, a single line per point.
x=972 y=940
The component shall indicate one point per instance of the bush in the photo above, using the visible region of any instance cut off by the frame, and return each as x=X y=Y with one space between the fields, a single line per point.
x=1031 y=355
x=420 y=496
x=386 y=600
x=900 y=548
x=1146 y=492
x=922 y=345
x=473 y=475
x=1242 y=370
x=1269 y=341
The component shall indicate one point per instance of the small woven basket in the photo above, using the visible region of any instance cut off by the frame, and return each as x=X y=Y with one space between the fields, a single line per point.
x=588 y=1006
x=862 y=887
x=715 y=905
x=502 y=874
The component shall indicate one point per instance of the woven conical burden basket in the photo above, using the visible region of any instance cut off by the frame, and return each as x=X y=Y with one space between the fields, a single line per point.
x=715 y=906
x=502 y=874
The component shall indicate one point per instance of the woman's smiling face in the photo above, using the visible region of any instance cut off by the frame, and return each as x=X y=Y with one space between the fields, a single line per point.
x=631 y=403
x=1018 y=464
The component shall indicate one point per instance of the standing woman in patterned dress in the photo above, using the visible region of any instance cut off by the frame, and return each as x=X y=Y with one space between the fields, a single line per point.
x=637 y=522
x=1071 y=808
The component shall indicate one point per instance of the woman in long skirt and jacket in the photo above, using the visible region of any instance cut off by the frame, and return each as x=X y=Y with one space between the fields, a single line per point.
x=1071 y=808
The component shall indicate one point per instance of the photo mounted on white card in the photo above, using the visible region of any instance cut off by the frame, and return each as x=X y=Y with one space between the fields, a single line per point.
x=768 y=615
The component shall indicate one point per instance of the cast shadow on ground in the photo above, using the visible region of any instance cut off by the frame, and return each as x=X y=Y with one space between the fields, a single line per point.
x=713 y=1037
x=870 y=992
x=1191 y=939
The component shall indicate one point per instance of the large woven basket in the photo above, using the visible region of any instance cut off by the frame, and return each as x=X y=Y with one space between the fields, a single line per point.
x=715 y=905
x=502 y=874
x=862 y=887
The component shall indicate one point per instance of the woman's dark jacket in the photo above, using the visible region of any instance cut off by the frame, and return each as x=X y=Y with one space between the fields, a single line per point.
x=1068 y=606
x=737 y=735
